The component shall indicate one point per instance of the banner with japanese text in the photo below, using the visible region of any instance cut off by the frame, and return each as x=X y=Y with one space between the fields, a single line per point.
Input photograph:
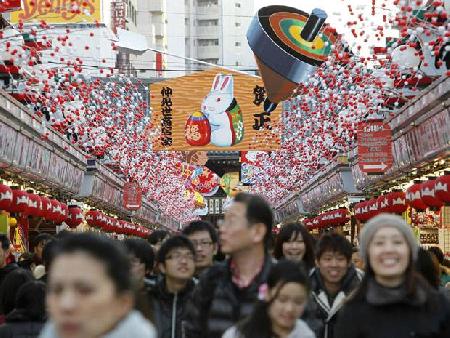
x=214 y=109
x=58 y=11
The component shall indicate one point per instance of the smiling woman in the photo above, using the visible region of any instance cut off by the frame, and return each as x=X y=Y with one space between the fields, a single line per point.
x=393 y=300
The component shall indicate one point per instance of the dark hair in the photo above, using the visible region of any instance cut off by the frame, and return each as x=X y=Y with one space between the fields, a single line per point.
x=178 y=241
x=258 y=324
x=285 y=235
x=30 y=301
x=48 y=254
x=4 y=242
x=197 y=226
x=334 y=242
x=10 y=286
x=157 y=236
x=42 y=237
x=258 y=211
x=26 y=260
x=435 y=250
x=428 y=268
x=110 y=253
x=142 y=250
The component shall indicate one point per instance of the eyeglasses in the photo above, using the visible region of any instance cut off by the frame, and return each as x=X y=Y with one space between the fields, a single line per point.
x=179 y=256
x=202 y=243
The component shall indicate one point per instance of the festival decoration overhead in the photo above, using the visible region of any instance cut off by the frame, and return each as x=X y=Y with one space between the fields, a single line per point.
x=229 y=183
x=214 y=109
x=82 y=96
x=288 y=48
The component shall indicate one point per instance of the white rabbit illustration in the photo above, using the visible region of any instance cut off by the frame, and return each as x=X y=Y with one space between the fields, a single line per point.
x=223 y=112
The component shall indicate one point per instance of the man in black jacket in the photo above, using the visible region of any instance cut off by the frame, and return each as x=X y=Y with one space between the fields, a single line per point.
x=169 y=296
x=227 y=292
x=5 y=269
x=331 y=282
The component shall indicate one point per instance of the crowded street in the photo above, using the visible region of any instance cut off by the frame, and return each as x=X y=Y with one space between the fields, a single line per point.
x=224 y=169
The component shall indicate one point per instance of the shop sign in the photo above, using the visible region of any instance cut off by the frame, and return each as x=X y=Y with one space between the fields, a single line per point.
x=374 y=147
x=7 y=145
x=215 y=206
x=58 y=11
x=132 y=196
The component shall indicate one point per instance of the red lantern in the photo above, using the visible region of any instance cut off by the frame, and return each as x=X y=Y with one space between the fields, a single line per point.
x=373 y=207
x=365 y=214
x=55 y=212
x=428 y=196
x=93 y=218
x=197 y=130
x=396 y=201
x=10 y=5
x=20 y=201
x=308 y=223
x=357 y=211
x=316 y=222
x=442 y=188
x=382 y=204
x=46 y=207
x=6 y=197
x=75 y=216
x=341 y=216
x=34 y=205
x=413 y=197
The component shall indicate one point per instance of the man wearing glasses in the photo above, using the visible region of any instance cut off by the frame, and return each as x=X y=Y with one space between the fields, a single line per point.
x=204 y=237
x=176 y=262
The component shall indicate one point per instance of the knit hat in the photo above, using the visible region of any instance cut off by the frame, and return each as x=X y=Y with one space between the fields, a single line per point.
x=382 y=221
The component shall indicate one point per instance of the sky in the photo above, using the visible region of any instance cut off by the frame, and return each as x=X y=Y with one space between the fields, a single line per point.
x=338 y=16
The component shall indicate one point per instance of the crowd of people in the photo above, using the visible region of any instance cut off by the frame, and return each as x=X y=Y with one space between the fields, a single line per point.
x=233 y=282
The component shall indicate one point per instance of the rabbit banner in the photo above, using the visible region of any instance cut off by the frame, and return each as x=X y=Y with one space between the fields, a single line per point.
x=215 y=109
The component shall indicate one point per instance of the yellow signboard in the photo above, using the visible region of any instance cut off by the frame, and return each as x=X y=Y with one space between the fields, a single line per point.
x=58 y=11
x=215 y=109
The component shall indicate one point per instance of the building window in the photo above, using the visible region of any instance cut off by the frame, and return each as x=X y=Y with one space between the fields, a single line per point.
x=238 y=4
x=211 y=22
x=214 y=61
x=207 y=42
x=237 y=63
x=237 y=24
x=207 y=3
x=237 y=44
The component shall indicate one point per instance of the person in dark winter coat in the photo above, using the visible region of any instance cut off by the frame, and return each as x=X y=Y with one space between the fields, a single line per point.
x=228 y=291
x=393 y=300
x=168 y=298
x=28 y=317
x=332 y=281
x=5 y=268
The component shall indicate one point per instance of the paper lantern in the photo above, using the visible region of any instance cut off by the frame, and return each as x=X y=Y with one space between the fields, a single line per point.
x=442 y=188
x=93 y=218
x=427 y=194
x=75 y=216
x=365 y=214
x=340 y=216
x=20 y=201
x=396 y=202
x=55 y=212
x=413 y=196
x=373 y=208
x=358 y=211
x=34 y=205
x=382 y=203
x=6 y=197
x=46 y=207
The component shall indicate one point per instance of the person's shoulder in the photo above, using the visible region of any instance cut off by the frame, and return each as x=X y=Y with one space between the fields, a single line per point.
x=218 y=270
x=231 y=332
x=302 y=330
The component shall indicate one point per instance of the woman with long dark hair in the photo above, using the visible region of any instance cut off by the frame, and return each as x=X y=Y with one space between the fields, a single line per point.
x=393 y=299
x=277 y=315
x=294 y=243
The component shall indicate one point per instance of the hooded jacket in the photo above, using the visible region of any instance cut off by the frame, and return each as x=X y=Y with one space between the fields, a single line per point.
x=319 y=314
x=132 y=326
x=6 y=270
x=169 y=310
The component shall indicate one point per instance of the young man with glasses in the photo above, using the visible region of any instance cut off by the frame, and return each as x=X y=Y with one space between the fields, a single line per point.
x=204 y=237
x=228 y=291
x=176 y=262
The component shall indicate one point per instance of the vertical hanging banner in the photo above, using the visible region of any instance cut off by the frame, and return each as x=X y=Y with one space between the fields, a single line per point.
x=215 y=109
x=132 y=196
x=374 y=147
x=58 y=11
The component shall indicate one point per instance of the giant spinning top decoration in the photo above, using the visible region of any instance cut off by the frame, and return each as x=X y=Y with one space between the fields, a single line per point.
x=288 y=45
